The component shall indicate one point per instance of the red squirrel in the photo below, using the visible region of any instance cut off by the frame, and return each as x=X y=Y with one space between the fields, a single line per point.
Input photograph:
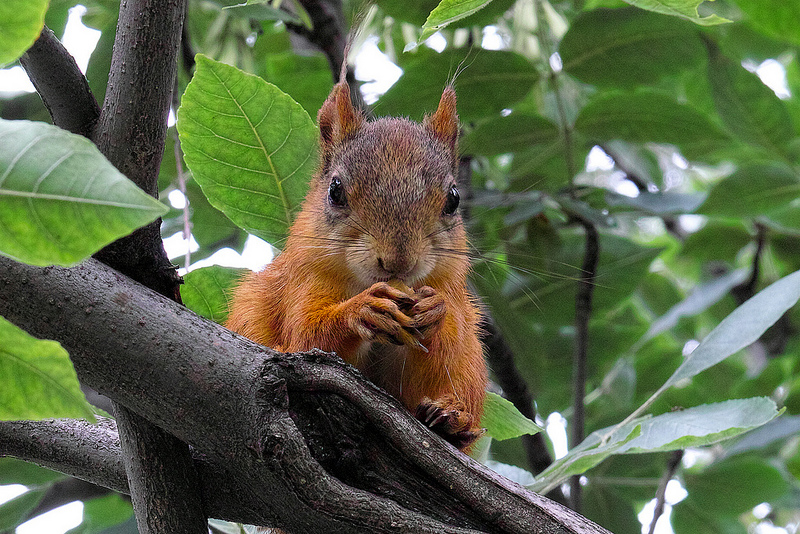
x=375 y=266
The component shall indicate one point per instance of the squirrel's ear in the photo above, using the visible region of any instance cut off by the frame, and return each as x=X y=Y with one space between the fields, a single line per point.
x=443 y=124
x=337 y=117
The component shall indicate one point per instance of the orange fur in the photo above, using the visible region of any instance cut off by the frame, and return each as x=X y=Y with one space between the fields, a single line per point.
x=326 y=289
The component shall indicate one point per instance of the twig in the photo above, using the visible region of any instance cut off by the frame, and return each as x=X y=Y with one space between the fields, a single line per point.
x=583 y=313
x=547 y=47
x=661 y=494
x=61 y=85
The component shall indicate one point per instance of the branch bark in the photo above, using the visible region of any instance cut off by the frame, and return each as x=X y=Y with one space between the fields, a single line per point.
x=61 y=85
x=304 y=435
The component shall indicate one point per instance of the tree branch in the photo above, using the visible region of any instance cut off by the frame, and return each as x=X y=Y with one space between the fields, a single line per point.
x=61 y=85
x=326 y=450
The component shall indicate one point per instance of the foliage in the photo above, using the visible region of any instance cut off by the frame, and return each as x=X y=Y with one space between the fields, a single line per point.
x=694 y=197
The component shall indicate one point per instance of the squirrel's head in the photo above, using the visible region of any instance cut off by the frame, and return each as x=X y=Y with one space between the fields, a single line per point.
x=386 y=193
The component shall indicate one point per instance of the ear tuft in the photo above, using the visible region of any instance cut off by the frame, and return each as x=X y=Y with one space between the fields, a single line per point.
x=443 y=124
x=337 y=117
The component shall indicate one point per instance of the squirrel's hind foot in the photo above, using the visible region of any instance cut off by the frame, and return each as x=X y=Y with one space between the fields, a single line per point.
x=448 y=418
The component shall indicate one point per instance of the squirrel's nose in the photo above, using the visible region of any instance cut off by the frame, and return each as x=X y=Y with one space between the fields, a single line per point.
x=396 y=265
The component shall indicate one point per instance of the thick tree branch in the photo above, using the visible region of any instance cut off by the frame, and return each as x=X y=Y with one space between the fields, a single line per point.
x=61 y=85
x=316 y=443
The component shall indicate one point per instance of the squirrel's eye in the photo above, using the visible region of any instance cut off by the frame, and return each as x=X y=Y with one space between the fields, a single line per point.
x=336 y=194
x=451 y=202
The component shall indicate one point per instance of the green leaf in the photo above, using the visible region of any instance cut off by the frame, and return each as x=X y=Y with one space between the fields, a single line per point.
x=41 y=380
x=753 y=190
x=449 y=11
x=514 y=132
x=102 y=513
x=60 y=199
x=261 y=10
x=693 y=427
x=747 y=480
x=15 y=511
x=700 y=426
x=750 y=109
x=586 y=455
x=307 y=79
x=491 y=80
x=13 y=471
x=647 y=116
x=700 y=299
x=21 y=21
x=658 y=203
x=207 y=291
x=685 y=9
x=741 y=328
x=249 y=145
x=627 y=47
x=777 y=18
x=502 y=420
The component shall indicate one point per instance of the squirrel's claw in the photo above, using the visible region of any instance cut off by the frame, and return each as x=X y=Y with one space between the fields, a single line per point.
x=449 y=419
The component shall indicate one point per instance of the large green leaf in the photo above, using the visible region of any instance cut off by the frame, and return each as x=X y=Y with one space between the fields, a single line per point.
x=514 y=132
x=749 y=109
x=685 y=9
x=738 y=330
x=103 y=512
x=694 y=427
x=747 y=480
x=778 y=18
x=700 y=299
x=60 y=199
x=626 y=47
x=753 y=190
x=21 y=21
x=13 y=471
x=700 y=426
x=741 y=328
x=488 y=81
x=39 y=380
x=249 y=145
x=648 y=116
x=207 y=291
x=15 y=511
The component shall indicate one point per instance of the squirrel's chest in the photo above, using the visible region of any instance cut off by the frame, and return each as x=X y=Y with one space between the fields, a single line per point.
x=384 y=365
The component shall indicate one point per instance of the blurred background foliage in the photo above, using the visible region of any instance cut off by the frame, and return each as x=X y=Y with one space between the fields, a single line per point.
x=677 y=140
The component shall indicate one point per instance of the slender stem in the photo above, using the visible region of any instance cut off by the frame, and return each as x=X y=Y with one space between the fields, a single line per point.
x=187 y=222
x=547 y=46
x=583 y=314
x=661 y=494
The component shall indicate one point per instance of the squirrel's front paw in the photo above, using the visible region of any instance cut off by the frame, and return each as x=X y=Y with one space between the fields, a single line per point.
x=428 y=313
x=449 y=419
x=379 y=315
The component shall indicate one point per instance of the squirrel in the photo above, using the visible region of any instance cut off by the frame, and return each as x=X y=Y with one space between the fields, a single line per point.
x=375 y=266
